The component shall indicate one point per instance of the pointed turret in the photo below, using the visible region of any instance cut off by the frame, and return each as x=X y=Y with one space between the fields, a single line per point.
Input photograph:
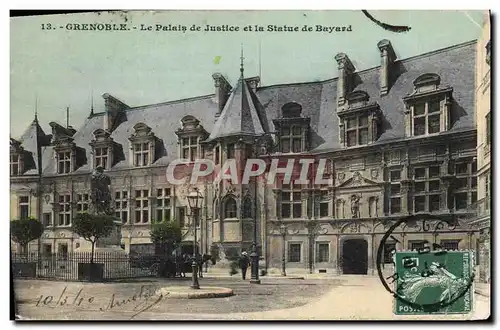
x=239 y=116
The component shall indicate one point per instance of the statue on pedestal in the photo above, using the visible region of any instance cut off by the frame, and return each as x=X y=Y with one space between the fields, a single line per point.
x=100 y=192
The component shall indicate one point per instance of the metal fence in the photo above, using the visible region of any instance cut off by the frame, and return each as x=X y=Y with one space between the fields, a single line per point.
x=68 y=266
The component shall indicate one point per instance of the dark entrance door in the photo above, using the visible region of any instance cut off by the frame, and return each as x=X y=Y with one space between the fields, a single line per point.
x=355 y=257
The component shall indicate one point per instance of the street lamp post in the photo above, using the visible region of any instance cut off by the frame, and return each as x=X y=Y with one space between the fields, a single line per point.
x=283 y=230
x=195 y=199
x=255 y=255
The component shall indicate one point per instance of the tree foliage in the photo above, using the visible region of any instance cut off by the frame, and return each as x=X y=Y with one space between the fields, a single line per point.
x=168 y=234
x=91 y=227
x=26 y=230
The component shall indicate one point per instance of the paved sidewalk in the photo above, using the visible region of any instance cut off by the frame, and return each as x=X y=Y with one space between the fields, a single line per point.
x=356 y=298
x=482 y=289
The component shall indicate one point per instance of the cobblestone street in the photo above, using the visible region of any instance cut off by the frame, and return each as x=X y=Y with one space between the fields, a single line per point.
x=338 y=298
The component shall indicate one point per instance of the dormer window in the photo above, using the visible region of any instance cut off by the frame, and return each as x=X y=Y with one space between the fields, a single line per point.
x=428 y=107
x=189 y=147
x=190 y=135
x=143 y=143
x=15 y=168
x=16 y=158
x=359 y=120
x=293 y=129
x=64 y=162
x=102 y=149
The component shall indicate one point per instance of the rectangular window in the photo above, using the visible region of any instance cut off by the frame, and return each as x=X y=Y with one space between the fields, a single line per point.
x=395 y=191
x=15 y=164
x=82 y=203
x=461 y=201
x=294 y=252
x=449 y=245
x=322 y=252
x=121 y=205
x=189 y=146
x=426 y=188
x=388 y=248
x=427 y=118
x=47 y=219
x=163 y=204
x=357 y=130
x=181 y=211
x=415 y=245
x=291 y=202
x=323 y=204
x=24 y=207
x=64 y=162
x=64 y=210
x=101 y=157
x=142 y=206
x=141 y=154
x=291 y=139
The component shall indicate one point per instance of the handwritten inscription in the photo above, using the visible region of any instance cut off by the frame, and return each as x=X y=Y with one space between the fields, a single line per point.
x=145 y=298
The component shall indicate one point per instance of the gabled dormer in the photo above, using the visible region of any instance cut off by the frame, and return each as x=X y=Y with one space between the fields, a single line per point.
x=189 y=137
x=142 y=145
x=102 y=149
x=65 y=150
x=16 y=158
x=359 y=120
x=428 y=107
x=293 y=129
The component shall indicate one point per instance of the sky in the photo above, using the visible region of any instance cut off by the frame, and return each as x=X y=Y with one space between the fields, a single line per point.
x=51 y=69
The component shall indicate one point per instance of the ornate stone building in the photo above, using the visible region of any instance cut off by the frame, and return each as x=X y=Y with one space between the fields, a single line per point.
x=483 y=122
x=399 y=139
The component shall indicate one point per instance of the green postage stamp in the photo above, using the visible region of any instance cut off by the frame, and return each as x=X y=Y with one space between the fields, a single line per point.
x=434 y=282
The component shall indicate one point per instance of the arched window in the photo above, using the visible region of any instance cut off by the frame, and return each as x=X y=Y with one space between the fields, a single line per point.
x=246 y=208
x=230 y=208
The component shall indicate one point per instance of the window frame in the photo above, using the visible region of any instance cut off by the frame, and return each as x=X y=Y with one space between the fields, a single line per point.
x=357 y=129
x=143 y=153
x=392 y=194
x=427 y=194
x=101 y=158
x=318 y=257
x=23 y=205
x=291 y=189
x=82 y=202
x=290 y=257
x=163 y=204
x=15 y=163
x=232 y=212
x=426 y=114
x=191 y=148
x=142 y=208
x=64 y=216
x=121 y=205
x=64 y=162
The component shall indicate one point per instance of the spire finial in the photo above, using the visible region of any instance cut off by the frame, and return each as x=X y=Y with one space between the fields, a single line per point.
x=92 y=103
x=241 y=58
x=36 y=109
x=67 y=117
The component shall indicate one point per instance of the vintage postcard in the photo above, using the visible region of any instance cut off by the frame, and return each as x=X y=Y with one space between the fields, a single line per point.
x=250 y=165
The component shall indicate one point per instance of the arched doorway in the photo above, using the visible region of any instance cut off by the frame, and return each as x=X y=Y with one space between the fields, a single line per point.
x=355 y=257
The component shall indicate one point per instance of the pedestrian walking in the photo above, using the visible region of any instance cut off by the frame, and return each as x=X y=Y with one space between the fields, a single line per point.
x=244 y=262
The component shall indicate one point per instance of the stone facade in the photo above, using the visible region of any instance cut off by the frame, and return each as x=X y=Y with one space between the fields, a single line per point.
x=484 y=137
x=398 y=139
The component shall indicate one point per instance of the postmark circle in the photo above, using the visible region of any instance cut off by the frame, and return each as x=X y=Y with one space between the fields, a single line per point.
x=425 y=307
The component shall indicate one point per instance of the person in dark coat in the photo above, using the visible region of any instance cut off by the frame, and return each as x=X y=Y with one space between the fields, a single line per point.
x=244 y=263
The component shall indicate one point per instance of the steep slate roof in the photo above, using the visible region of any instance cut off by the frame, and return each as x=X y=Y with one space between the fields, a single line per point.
x=239 y=116
x=31 y=138
x=249 y=113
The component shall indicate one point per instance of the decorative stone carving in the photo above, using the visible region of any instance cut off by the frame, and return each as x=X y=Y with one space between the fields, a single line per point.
x=374 y=173
x=341 y=176
x=355 y=206
x=356 y=178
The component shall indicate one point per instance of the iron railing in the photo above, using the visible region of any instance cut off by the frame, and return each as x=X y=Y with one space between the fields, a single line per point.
x=65 y=266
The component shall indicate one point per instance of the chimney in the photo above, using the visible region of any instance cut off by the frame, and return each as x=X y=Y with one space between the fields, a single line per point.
x=113 y=107
x=222 y=89
x=253 y=83
x=345 y=71
x=387 y=57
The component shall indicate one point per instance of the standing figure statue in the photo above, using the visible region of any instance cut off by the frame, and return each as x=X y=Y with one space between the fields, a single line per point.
x=355 y=206
x=101 y=196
